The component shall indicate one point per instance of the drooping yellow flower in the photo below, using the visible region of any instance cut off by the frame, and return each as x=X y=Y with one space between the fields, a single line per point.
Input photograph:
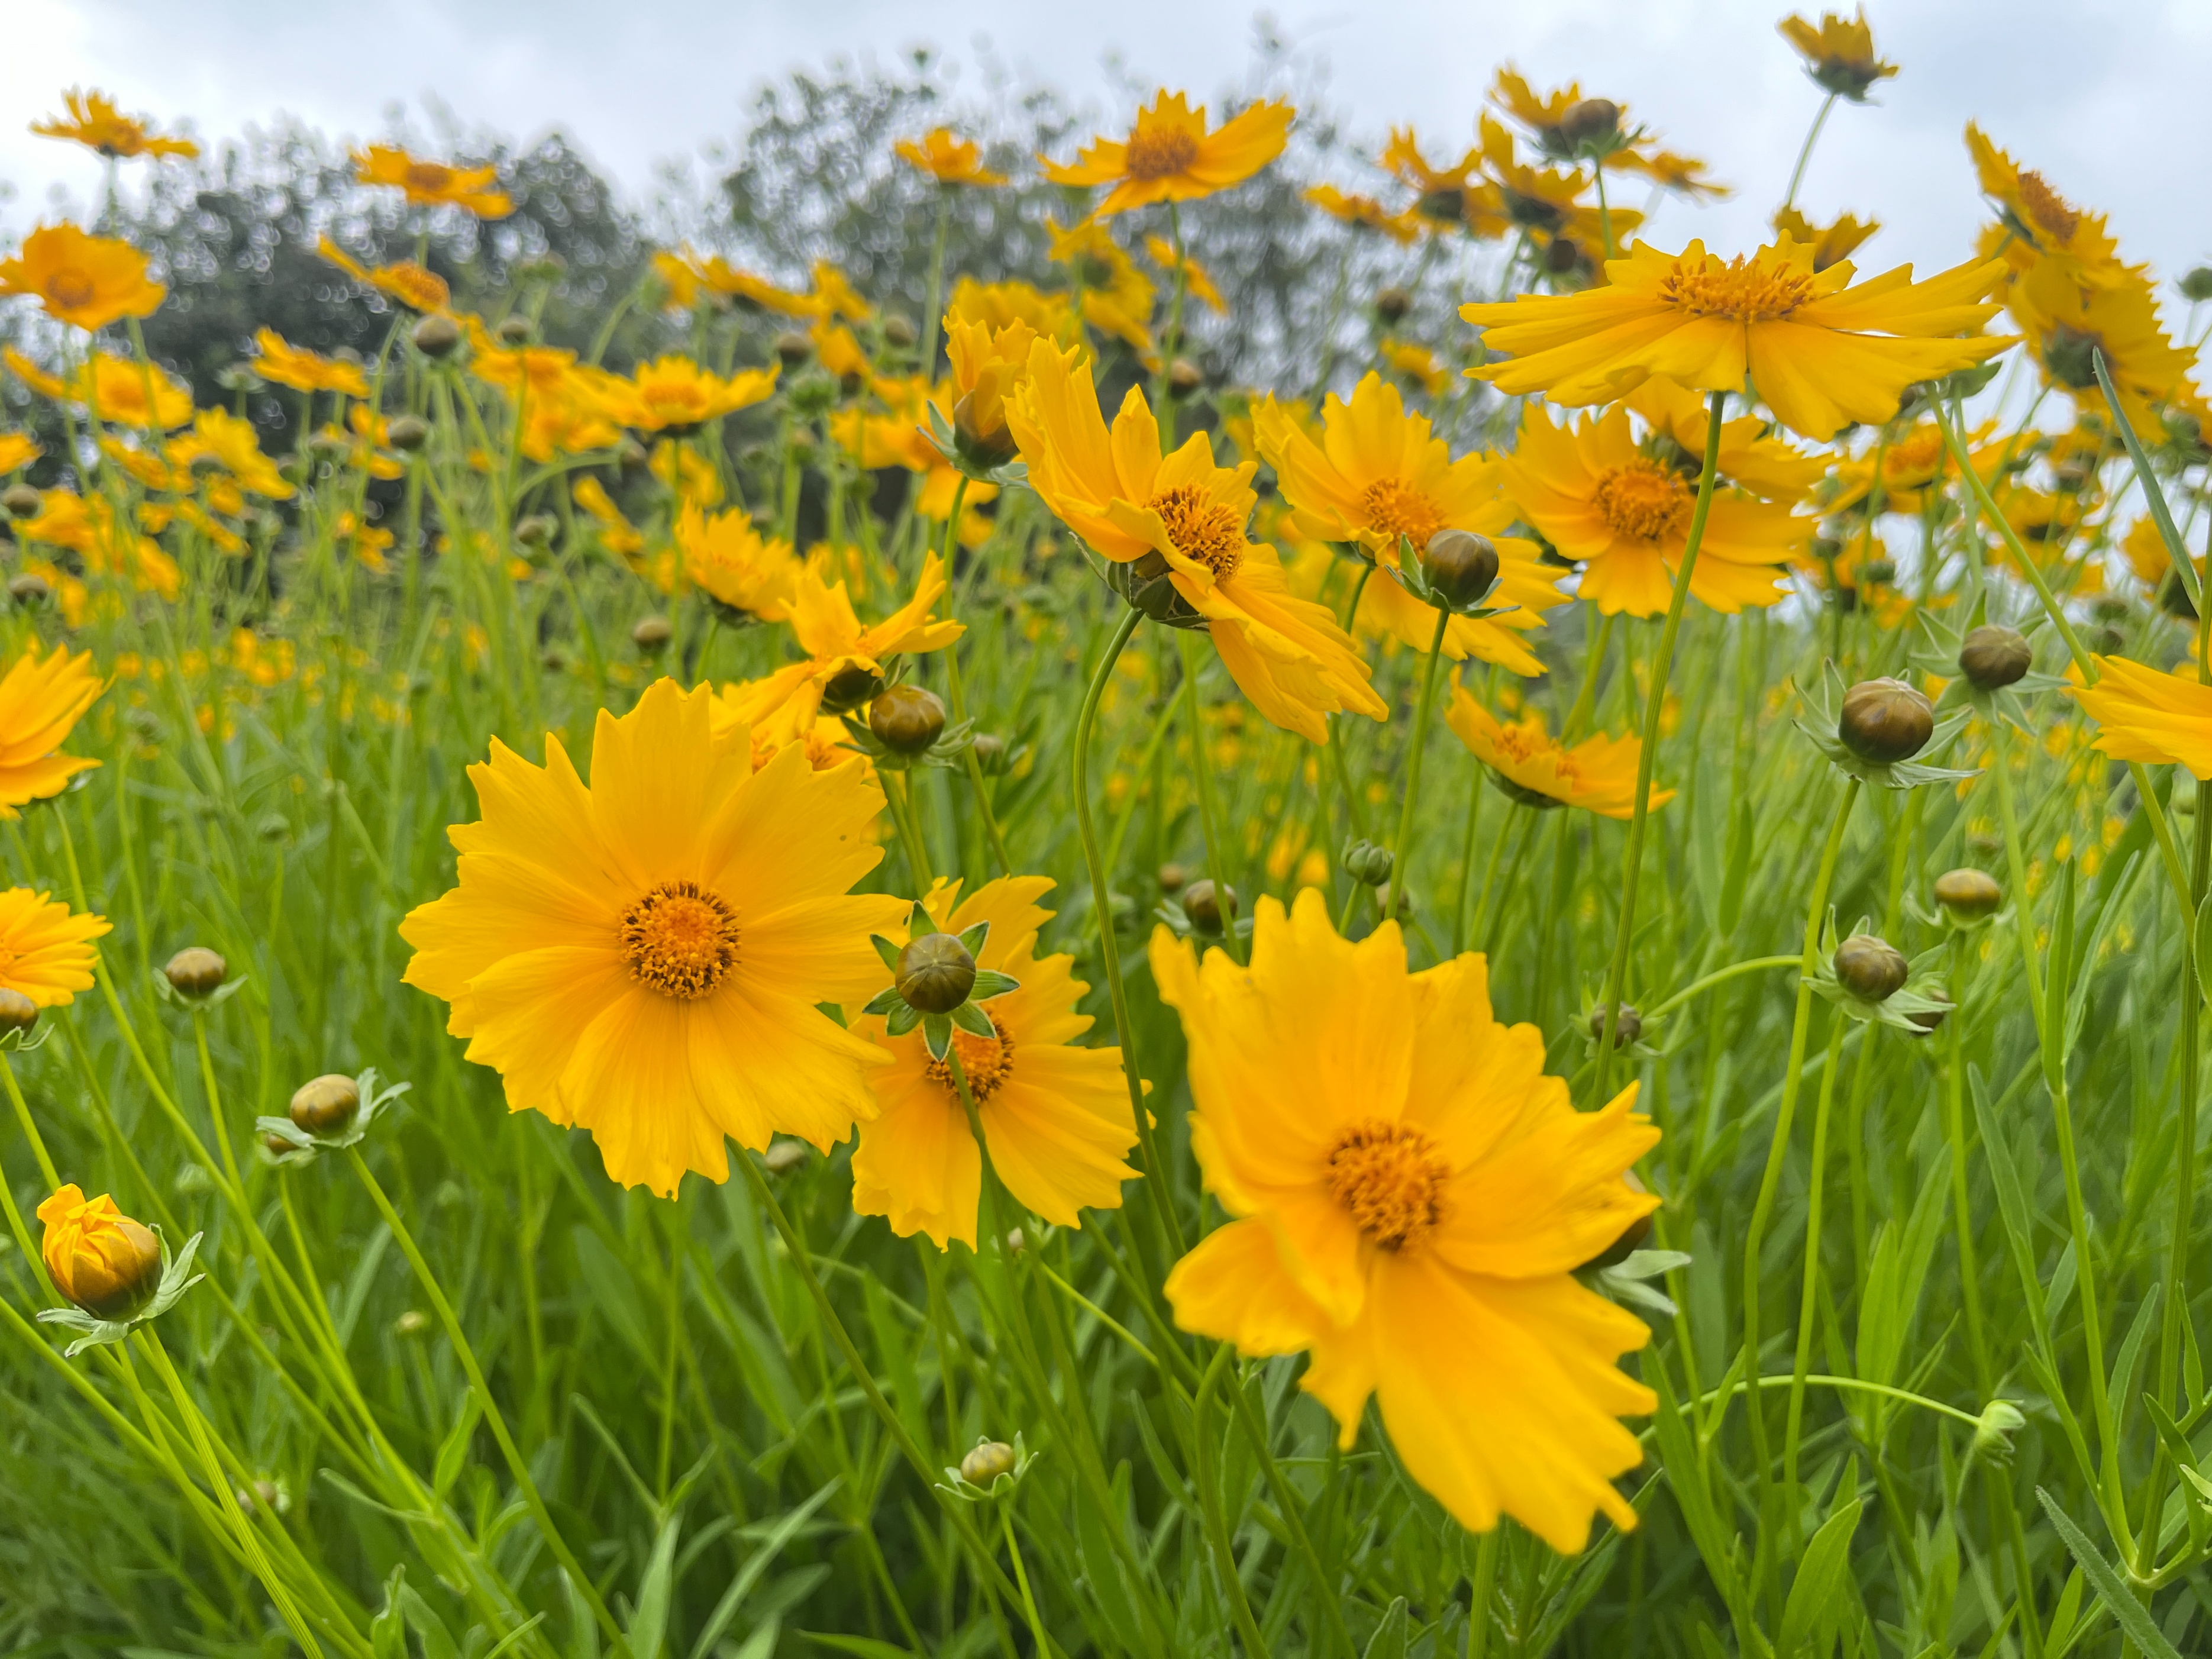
x=1197 y=283
x=641 y=956
x=836 y=296
x=1544 y=116
x=948 y=158
x=17 y=450
x=679 y=277
x=1056 y=1116
x=1537 y=769
x=1450 y=197
x=1839 y=53
x=1554 y=205
x=1829 y=242
x=1820 y=353
x=46 y=948
x=1186 y=517
x=1170 y=156
x=2041 y=223
x=727 y=558
x=846 y=660
x=412 y=285
x=1412 y=1195
x=1625 y=515
x=2145 y=715
x=236 y=445
x=434 y=184
x=1379 y=472
x=94 y=122
x=41 y=700
x=98 y=1257
x=616 y=533
x=1685 y=175
x=750 y=290
x=87 y=281
x=1364 y=213
x=303 y=370
x=673 y=394
x=1117 y=298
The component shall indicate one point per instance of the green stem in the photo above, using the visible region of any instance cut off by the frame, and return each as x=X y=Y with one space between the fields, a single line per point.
x=1202 y=772
x=1401 y=847
x=1805 y=153
x=1808 y=1297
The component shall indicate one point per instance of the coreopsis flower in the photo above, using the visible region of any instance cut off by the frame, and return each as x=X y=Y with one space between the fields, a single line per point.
x=1412 y=1195
x=678 y=277
x=1171 y=156
x=1454 y=196
x=1056 y=1116
x=46 y=953
x=1685 y=175
x=836 y=296
x=1416 y=363
x=236 y=446
x=17 y=450
x=1839 y=53
x=2068 y=323
x=1820 y=353
x=1117 y=298
x=846 y=660
x=41 y=700
x=98 y=1257
x=108 y=546
x=2035 y=222
x=994 y=305
x=412 y=285
x=948 y=158
x=1549 y=203
x=434 y=184
x=1183 y=519
x=1625 y=515
x=616 y=533
x=94 y=122
x=642 y=956
x=1907 y=463
x=278 y=361
x=87 y=281
x=673 y=394
x=1749 y=458
x=1537 y=769
x=838 y=349
x=755 y=291
x=2145 y=715
x=726 y=558
x=1378 y=472
x=1197 y=282
x=116 y=390
x=1829 y=242
x=986 y=361
x=1546 y=117
x=1364 y=213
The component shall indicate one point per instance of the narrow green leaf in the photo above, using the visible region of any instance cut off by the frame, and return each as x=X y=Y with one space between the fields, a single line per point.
x=2204 y=947
x=863 y=1647
x=2057 y=974
x=1388 y=1641
x=2132 y=1617
x=2153 y=498
x=733 y=1599
x=453 y=1452
x=1819 y=1575
x=886 y=950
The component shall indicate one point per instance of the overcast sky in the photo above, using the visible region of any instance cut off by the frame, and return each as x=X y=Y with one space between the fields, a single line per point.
x=2104 y=97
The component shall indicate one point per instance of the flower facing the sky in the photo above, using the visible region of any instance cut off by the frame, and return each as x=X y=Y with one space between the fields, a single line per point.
x=1838 y=52
x=41 y=700
x=674 y=394
x=2145 y=715
x=433 y=183
x=1819 y=352
x=728 y=559
x=94 y=121
x=87 y=281
x=1412 y=1195
x=278 y=361
x=948 y=158
x=641 y=956
x=1537 y=769
x=1171 y=156
x=1056 y=1116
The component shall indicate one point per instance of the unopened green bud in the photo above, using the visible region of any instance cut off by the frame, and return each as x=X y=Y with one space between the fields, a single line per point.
x=935 y=973
x=1871 y=969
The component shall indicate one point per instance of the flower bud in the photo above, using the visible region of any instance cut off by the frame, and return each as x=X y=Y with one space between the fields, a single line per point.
x=1871 y=969
x=1877 y=573
x=989 y=750
x=99 y=1258
x=1968 y=895
x=1460 y=566
x=278 y=1146
x=1627 y=1024
x=17 y=1011
x=935 y=973
x=1994 y=656
x=2196 y=285
x=1017 y=1242
x=792 y=349
x=983 y=446
x=1590 y=120
x=1392 y=304
x=30 y=588
x=1173 y=878
x=1561 y=256
x=413 y=1322
x=195 y=972
x=437 y=337
x=987 y=1462
x=514 y=330
x=783 y=1156
x=536 y=531
x=1632 y=1237
x=327 y=1105
x=907 y=718
x=1208 y=906
x=21 y=502
x=848 y=688
x=407 y=433
x=1184 y=377
x=1928 y=1019
x=1368 y=864
x=899 y=330
x=651 y=634
x=1886 y=721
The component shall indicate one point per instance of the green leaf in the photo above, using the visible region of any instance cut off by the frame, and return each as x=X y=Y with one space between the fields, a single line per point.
x=1388 y=1641
x=886 y=950
x=2132 y=1617
x=973 y=1020
x=1820 y=1576
x=901 y=1019
x=866 y=1647
x=649 y=1625
x=387 y=1631
x=990 y=982
x=2184 y=1459
x=758 y=1562
x=2153 y=498
x=2204 y=947
x=2057 y=972
x=453 y=1452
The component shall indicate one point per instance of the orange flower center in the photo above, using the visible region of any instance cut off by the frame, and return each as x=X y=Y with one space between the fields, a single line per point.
x=1390 y=1177
x=1159 y=153
x=1644 y=502
x=71 y=287
x=1202 y=528
x=2046 y=207
x=1396 y=507
x=429 y=177
x=680 y=940
x=1745 y=290
x=988 y=1062
x=1913 y=458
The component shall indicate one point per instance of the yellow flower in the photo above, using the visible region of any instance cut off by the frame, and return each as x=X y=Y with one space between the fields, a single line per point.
x=1683 y=174
x=1364 y=213
x=2068 y=322
x=368 y=542
x=237 y=445
x=1764 y=465
x=98 y=1257
x=303 y=370
x=46 y=948
x=1055 y=1117
x=845 y=662
x=412 y=285
x=1838 y=54
x=41 y=700
x=1117 y=297
x=90 y=529
x=1820 y=353
x=89 y=281
x=686 y=474
x=1444 y=196
x=757 y=292
x=94 y=122
x=838 y=350
x=1170 y=156
x=642 y=956
x=1829 y=242
x=1544 y=118
x=1379 y=472
x=1417 y=363
x=729 y=560
x=1625 y=515
x=948 y=158
x=1547 y=201
x=836 y=296
x=997 y=304
x=2145 y=715
x=1412 y=1195
x=17 y=450
x=679 y=277
x=1184 y=518
x=674 y=394
x=616 y=533
x=1538 y=770
x=987 y=362
x=1196 y=282
x=116 y=390
x=433 y=183
x=41 y=383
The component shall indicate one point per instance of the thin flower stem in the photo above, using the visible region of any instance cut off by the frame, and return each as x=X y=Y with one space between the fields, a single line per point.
x=30 y=1125
x=1808 y=1296
x=1719 y=976
x=1805 y=152
x=1617 y=975
x=1208 y=820
x=1402 y=849
x=1486 y=1581
x=1203 y=1475
x=901 y=796
x=958 y=694
x=932 y=322
x=1022 y=1578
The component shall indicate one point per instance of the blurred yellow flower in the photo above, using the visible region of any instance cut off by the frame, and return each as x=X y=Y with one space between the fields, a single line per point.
x=616 y=533
x=433 y=183
x=1839 y=53
x=836 y=296
x=2145 y=715
x=1364 y=213
x=236 y=446
x=17 y=450
x=674 y=395
x=41 y=700
x=987 y=364
x=948 y=158
x=1117 y=298
x=1537 y=769
x=728 y=559
x=1170 y=156
x=1829 y=242
x=755 y=292
x=847 y=659
x=94 y=122
x=412 y=285
x=285 y=364
x=87 y=281
x=679 y=277
x=98 y=1257
x=1196 y=282
x=1452 y=197
x=46 y=948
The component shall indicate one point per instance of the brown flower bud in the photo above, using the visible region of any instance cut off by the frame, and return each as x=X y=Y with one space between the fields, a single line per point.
x=514 y=330
x=783 y=1156
x=195 y=972
x=848 y=688
x=1627 y=1024
x=1392 y=304
x=30 y=588
x=534 y=531
x=21 y=502
x=1561 y=256
x=327 y=1105
x=1886 y=721
x=1928 y=1019
x=651 y=634
x=793 y=348
x=987 y=1462
x=1208 y=907
x=899 y=330
x=1969 y=895
x=1460 y=566
x=1871 y=969
x=1590 y=120
x=935 y=973
x=984 y=444
x=989 y=750
x=407 y=433
x=17 y=1011
x=437 y=337
x=1993 y=656
x=907 y=720
x=1172 y=878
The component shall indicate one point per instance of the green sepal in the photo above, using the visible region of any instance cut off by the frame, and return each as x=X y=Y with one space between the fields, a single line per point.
x=901 y=1019
x=990 y=982
x=885 y=1001
x=1823 y=704
x=886 y=950
x=972 y=939
x=1922 y=978
x=918 y=925
x=937 y=1035
x=973 y=1020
